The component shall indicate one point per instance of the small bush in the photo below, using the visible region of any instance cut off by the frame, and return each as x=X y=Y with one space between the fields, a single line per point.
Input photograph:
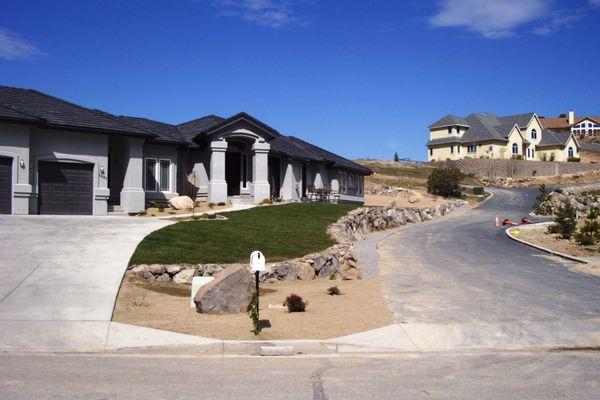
x=334 y=291
x=517 y=157
x=573 y=159
x=197 y=203
x=478 y=191
x=211 y=216
x=265 y=201
x=565 y=222
x=151 y=204
x=593 y=214
x=161 y=208
x=211 y=205
x=221 y=203
x=445 y=182
x=589 y=233
x=295 y=303
x=253 y=313
x=195 y=217
x=333 y=276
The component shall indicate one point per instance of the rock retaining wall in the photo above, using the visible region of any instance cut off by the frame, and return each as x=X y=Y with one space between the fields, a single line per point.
x=574 y=195
x=337 y=262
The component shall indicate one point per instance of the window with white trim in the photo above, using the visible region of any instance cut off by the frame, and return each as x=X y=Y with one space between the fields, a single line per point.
x=151 y=174
x=515 y=148
x=471 y=148
x=344 y=182
x=158 y=175
x=571 y=152
x=533 y=134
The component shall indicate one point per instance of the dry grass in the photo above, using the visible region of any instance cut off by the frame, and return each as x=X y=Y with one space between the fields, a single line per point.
x=166 y=306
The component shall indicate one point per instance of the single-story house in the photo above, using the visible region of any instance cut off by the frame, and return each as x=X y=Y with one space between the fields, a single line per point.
x=57 y=157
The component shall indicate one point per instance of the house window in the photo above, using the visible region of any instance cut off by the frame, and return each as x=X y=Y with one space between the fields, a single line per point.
x=449 y=130
x=532 y=153
x=491 y=148
x=515 y=148
x=458 y=148
x=431 y=152
x=471 y=148
x=165 y=175
x=151 y=174
x=158 y=175
x=533 y=134
x=452 y=149
x=528 y=153
x=570 y=152
x=458 y=129
x=351 y=181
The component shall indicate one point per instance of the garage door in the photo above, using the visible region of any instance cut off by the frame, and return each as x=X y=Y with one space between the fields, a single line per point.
x=65 y=188
x=5 y=185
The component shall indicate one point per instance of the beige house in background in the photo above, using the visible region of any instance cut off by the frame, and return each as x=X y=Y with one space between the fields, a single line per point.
x=484 y=135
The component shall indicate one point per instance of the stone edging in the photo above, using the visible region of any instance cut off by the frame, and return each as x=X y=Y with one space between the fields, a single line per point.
x=544 y=249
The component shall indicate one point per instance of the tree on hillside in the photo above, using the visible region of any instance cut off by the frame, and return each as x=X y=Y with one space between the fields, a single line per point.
x=396 y=158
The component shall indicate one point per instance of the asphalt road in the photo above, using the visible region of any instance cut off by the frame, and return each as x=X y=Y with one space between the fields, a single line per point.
x=440 y=376
x=462 y=269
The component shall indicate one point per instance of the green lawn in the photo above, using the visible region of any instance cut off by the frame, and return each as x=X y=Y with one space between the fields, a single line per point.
x=280 y=232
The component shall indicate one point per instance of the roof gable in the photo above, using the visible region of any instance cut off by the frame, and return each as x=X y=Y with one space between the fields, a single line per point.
x=235 y=120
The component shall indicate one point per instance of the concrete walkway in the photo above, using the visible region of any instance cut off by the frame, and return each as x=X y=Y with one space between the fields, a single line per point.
x=60 y=277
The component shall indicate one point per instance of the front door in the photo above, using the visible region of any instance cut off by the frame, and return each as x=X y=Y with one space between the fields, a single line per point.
x=233 y=173
x=5 y=185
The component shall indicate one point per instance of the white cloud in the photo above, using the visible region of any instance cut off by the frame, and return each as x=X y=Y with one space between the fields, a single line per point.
x=557 y=21
x=492 y=19
x=13 y=47
x=267 y=13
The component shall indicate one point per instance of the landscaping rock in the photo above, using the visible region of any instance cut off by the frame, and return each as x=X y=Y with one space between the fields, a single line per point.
x=185 y=276
x=230 y=292
x=181 y=203
x=157 y=269
x=211 y=269
x=305 y=272
x=143 y=272
x=174 y=269
x=349 y=270
x=164 y=278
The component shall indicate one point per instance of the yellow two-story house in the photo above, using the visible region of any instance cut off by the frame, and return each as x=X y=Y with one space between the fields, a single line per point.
x=484 y=135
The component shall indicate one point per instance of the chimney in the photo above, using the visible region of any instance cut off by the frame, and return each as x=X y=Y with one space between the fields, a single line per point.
x=571 y=117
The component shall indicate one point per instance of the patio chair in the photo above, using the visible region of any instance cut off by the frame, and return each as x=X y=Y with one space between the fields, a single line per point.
x=326 y=193
x=311 y=192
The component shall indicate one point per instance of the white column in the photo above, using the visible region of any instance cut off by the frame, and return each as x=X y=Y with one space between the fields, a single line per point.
x=133 y=197
x=287 y=187
x=217 y=187
x=260 y=171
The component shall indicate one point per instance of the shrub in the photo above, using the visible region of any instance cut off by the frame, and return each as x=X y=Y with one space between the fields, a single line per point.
x=161 y=207
x=211 y=216
x=334 y=291
x=221 y=203
x=151 y=204
x=253 y=313
x=573 y=159
x=593 y=214
x=445 y=182
x=517 y=157
x=478 y=191
x=589 y=233
x=551 y=156
x=211 y=205
x=332 y=276
x=295 y=303
x=265 y=201
x=565 y=222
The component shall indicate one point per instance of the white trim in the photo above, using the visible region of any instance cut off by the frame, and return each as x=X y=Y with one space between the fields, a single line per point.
x=169 y=189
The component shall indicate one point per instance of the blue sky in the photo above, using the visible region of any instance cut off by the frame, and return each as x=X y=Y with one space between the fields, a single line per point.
x=361 y=78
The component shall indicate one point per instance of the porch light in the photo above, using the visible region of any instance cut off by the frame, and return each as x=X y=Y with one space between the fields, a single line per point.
x=22 y=163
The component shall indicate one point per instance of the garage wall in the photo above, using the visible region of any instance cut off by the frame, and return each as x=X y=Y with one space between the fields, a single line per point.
x=55 y=145
x=14 y=143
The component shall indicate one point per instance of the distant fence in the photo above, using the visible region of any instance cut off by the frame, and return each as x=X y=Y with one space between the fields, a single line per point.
x=589 y=146
x=515 y=168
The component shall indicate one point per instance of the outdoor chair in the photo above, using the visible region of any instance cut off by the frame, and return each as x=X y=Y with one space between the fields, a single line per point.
x=312 y=193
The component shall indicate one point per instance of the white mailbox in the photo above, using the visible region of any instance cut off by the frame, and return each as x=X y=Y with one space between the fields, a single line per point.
x=257 y=261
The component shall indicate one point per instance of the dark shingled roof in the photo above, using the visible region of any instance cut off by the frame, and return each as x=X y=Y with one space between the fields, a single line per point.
x=165 y=132
x=551 y=138
x=33 y=106
x=449 y=120
x=485 y=127
x=25 y=105
x=192 y=128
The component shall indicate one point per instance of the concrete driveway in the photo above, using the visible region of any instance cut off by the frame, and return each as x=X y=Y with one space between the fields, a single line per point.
x=60 y=277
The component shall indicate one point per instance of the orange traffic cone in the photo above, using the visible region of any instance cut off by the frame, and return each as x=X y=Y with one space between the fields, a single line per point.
x=497 y=221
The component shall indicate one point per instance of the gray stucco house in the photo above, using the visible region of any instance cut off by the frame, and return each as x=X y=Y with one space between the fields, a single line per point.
x=57 y=157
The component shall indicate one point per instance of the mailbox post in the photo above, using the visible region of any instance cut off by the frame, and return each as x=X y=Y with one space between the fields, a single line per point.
x=257 y=264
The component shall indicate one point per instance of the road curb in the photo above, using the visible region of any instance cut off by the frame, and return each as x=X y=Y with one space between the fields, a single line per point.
x=541 y=248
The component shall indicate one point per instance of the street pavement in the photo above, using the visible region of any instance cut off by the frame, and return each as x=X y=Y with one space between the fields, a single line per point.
x=559 y=375
x=462 y=270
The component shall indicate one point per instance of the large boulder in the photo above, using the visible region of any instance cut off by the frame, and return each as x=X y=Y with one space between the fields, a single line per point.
x=349 y=270
x=181 y=203
x=229 y=292
x=305 y=272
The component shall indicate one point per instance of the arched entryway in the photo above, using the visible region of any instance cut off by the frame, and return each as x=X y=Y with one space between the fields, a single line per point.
x=238 y=167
